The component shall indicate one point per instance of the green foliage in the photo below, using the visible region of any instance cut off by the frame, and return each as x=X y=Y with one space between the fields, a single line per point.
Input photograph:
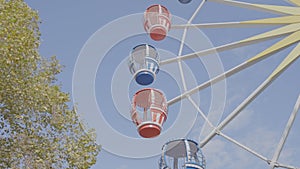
x=37 y=128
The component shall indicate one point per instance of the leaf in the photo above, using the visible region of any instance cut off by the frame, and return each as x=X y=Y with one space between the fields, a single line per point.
x=45 y=132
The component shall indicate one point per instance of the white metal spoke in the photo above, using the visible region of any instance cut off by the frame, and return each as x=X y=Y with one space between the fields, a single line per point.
x=182 y=45
x=212 y=81
x=248 y=100
x=207 y=25
x=201 y=112
x=212 y=50
x=181 y=48
x=243 y=147
x=236 y=111
x=223 y=25
x=286 y=166
x=205 y=52
x=285 y=133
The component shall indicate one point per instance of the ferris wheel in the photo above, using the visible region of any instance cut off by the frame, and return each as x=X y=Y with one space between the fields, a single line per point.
x=150 y=106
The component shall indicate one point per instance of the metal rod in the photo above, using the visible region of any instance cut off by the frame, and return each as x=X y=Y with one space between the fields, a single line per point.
x=201 y=112
x=243 y=147
x=220 y=25
x=212 y=81
x=175 y=163
x=203 y=53
x=248 y=100
x=224 y=25
x=196 y=12
x=188 y=151
x=232 y=115
x=285 y=133
x=182 y=45
x=286 y=166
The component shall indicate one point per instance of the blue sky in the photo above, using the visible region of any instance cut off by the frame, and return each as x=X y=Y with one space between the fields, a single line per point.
x=70 y=28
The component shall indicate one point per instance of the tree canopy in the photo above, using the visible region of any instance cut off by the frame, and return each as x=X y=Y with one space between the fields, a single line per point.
x=37 y=127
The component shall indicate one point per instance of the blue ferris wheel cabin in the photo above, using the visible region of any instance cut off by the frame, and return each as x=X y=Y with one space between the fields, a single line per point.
x=185 y=1
x=144 y=64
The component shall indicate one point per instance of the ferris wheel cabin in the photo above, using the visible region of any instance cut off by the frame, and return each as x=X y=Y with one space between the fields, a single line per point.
x=157 y=22
x=181 y=154
x=144 y=64
x=149 y=112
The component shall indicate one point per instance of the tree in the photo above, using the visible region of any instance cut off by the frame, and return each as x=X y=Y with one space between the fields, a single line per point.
x=37 y=127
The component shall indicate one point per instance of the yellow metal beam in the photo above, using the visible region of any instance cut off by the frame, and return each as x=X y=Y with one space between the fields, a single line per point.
x=267 y=8
x=278 y=20
x=295 y=53
x=267 y=35
x=273 y=33
x=281 y=9
x=296 y=2
x=295 y=37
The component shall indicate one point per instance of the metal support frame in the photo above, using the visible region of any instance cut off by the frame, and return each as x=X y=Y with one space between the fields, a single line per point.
x=285 y=134
x=291 y=28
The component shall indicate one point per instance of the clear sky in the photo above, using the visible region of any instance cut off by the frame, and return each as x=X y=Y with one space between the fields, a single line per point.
x=98 y=35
